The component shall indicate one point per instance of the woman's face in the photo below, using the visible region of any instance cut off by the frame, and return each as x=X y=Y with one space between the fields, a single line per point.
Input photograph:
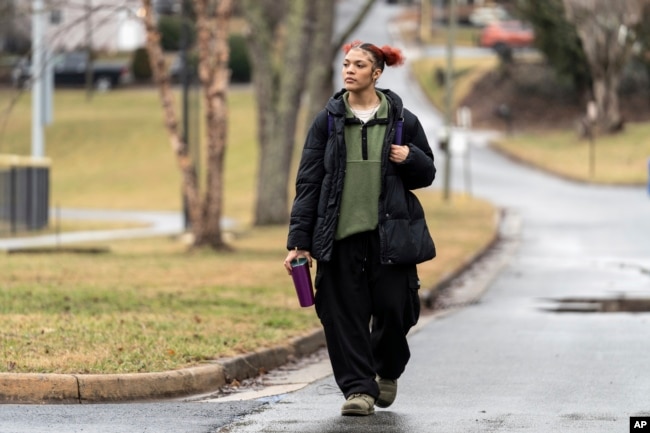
x=358 y=73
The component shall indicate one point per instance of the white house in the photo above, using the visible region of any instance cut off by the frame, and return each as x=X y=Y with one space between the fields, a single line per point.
x=109 y=25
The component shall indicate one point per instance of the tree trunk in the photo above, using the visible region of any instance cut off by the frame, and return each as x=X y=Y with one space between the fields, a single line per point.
x=324 y=50
x=320 y=84
x=279 y=90
x=212 y=30
x=607 y=100
x=288 y=40
x=212 y=24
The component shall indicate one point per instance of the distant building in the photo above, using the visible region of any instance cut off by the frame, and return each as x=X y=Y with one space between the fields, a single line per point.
x=109 y=25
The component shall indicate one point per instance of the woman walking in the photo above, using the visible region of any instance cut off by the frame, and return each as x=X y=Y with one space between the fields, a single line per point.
x=354 y=213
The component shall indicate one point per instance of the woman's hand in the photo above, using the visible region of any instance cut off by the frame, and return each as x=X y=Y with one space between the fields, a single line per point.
x=294 y=254
x=398 y=153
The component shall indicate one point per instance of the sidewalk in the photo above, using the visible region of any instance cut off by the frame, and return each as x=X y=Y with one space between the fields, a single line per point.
x=154 y=224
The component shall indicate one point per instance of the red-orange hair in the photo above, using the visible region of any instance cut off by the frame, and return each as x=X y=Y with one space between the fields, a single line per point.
x=384 y=56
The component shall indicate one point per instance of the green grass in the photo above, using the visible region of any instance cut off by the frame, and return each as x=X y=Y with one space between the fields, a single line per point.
x=113 y=152
x=464 y=36
x=145 y=307
x=618 y=159
x=149 y=304
x=466 y=72
x=410 y=32
x=103 y=150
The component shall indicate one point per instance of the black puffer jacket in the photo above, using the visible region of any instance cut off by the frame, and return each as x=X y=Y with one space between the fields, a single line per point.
x=403 y=233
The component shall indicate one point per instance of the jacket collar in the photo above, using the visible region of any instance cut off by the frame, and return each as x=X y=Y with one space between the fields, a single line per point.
x=336 y=106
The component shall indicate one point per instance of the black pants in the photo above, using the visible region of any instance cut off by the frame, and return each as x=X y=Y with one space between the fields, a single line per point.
x=366 y=309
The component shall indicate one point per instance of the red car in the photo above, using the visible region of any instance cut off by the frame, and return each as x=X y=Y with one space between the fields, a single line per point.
x=506 y=34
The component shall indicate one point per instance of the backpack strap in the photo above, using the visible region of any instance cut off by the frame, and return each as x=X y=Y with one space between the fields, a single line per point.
x=330 y=123
x=399 y=126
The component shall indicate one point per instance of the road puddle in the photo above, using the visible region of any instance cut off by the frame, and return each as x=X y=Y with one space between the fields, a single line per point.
x=596 y=305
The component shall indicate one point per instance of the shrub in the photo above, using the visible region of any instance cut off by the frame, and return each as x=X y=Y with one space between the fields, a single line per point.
x=141 y=68
x=239 y=60
x=170 y=32
x=171 y=28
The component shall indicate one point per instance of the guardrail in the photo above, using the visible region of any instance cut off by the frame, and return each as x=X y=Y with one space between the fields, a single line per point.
x=24 y=193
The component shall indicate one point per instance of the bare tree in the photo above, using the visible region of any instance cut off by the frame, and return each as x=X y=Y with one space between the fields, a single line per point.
x=602 y=26
x=320 y=82
x=292 y=51
x=205 y=210
x=279 y=41
x=319 y=78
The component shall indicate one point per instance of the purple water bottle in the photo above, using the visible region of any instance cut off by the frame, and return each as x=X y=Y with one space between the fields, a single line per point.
x=302 y=281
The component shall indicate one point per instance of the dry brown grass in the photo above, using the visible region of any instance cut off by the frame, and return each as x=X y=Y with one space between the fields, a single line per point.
x=149 y=305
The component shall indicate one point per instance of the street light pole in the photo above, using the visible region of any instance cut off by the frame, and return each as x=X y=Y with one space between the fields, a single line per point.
x=184 y=78
x=38 y=79
x=449 y=89
x=425 y=21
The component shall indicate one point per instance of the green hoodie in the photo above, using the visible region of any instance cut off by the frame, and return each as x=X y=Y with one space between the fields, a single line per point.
x=362 y=185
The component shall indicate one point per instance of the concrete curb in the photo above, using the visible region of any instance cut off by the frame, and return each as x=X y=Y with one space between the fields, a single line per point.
x=258 y=362
x=31 y=388
x=38 y=388
x=95 y=388
x=428 y=297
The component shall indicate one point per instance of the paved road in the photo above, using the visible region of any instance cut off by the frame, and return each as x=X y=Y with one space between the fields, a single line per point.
x=510 y=363
x=506 y=364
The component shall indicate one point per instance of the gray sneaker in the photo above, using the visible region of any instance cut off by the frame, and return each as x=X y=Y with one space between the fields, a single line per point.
x=359 y=404
x=387 y=391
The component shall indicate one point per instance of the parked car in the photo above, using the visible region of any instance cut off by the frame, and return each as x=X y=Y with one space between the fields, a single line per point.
x=70 y=70
x=505 y=35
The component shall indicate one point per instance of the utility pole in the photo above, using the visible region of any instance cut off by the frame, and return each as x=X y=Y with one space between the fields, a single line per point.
x=38 y=79
x=425 y=21
x=89 y=50
x=449 y=89
x=185 y=86
x=38 y=195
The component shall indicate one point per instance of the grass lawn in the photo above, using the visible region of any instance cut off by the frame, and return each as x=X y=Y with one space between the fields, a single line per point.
x=149 y=305
x=620 y=159
x=466 y=72
x=409 y=27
